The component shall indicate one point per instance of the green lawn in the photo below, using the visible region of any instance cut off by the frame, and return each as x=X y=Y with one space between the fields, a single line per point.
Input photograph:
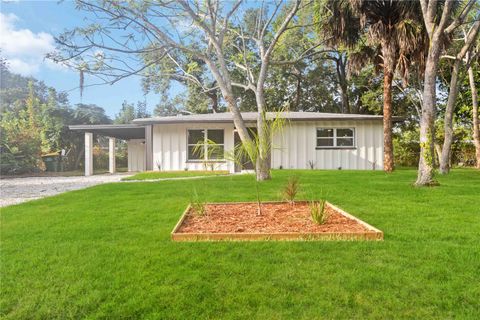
x=150 y=175
x=105 y=252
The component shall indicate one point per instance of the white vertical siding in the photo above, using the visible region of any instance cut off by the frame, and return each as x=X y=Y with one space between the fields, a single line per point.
x=170 y=146
x=379 y=147
x=298 y=146
x=293 y=148
x=136 y=155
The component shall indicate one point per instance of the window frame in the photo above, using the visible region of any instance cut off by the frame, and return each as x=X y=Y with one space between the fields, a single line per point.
x=205 y=145
x=335 y=137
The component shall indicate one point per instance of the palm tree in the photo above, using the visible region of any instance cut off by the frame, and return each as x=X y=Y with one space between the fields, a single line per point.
x=388 y=33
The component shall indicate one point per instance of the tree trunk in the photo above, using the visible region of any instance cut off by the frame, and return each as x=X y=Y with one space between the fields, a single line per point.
x=476 y=116
x=344 y=97
x=238 y=120
x=427 y=120
x=448 y=125
x=298 y=93
x=295 y=106
x=343 y=84
x=387 y=122
x=214 y=97
x=263 y=164
x=227 y=93
x=389 y=57
x=438 y=150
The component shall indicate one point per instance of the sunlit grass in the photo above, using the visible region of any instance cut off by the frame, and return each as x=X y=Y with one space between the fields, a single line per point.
x=105 y=252
x=152 y=175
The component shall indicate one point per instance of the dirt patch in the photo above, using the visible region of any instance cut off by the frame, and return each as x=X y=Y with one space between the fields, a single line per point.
x=240 y=220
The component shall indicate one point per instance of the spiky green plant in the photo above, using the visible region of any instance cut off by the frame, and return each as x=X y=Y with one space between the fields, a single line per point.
x=248 y=149
x=318 y=211
x=197 y=205
x=291 y=189
x=207 y=151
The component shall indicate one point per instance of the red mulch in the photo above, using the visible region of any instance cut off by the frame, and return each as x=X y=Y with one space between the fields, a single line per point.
x=275 y=218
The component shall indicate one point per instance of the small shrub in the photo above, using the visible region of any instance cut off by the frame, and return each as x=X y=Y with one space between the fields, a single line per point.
x=311 y=164
x=291 y=189
x=198 y=206
x=317 y=211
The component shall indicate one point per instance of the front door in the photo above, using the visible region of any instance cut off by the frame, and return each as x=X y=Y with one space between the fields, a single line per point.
x=245 y=163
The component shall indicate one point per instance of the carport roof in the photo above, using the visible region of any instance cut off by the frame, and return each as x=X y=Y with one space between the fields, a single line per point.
x=121 y=131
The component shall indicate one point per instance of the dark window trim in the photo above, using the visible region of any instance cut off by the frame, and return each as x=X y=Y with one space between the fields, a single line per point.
x=336 y=148
x=206 y=161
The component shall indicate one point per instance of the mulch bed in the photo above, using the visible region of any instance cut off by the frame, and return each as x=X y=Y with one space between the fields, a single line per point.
x=278 y=220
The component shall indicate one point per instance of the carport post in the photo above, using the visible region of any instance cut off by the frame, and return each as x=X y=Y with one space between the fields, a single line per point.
x=88 y=153
x=111 y=155
x=148 y=148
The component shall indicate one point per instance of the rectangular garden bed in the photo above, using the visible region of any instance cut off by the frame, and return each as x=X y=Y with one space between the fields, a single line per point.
x=277 y=221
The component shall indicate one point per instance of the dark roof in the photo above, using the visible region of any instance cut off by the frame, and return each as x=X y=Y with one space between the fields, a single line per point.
x=121 y=131
x=252 y=116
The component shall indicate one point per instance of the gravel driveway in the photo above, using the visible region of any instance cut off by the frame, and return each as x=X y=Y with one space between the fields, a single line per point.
x=17 y=190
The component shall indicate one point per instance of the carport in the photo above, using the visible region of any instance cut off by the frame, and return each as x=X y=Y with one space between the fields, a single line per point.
x=129 y=132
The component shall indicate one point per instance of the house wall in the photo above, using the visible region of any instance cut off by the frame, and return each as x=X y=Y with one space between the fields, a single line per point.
x=295 y=146
x=136 y=154
x=170 y=147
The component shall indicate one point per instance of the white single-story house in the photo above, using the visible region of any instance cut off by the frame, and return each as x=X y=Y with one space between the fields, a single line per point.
x=309 y=139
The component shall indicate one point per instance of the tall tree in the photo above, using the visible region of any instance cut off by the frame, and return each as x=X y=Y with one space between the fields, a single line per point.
x=473 y=60
x=126 y=114
x=388 y=33
x=20 y=141
x=202 y=92
x=469 y=40
x=141 y=110
x=168 y=107
x=90 y=114
x=159 y=27
x=440 y=19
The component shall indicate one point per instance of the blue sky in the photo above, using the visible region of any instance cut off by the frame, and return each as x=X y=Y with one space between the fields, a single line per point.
x=27 y=29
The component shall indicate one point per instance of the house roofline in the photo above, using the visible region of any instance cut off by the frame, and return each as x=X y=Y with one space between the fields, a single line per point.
x=149 y=122
x=83 y=127
x=250 y=117
x=122 y=131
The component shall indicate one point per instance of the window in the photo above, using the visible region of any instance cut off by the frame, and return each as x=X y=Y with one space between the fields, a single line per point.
x=194 y=138
x=205 y=144
x=215 y=144
x=335 y=138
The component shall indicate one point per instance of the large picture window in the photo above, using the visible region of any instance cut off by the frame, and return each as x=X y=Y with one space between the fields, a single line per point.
x=328 y=138
x=205 y=144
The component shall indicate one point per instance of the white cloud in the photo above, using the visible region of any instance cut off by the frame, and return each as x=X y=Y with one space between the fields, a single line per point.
x=24 y=50
x=22 y=67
